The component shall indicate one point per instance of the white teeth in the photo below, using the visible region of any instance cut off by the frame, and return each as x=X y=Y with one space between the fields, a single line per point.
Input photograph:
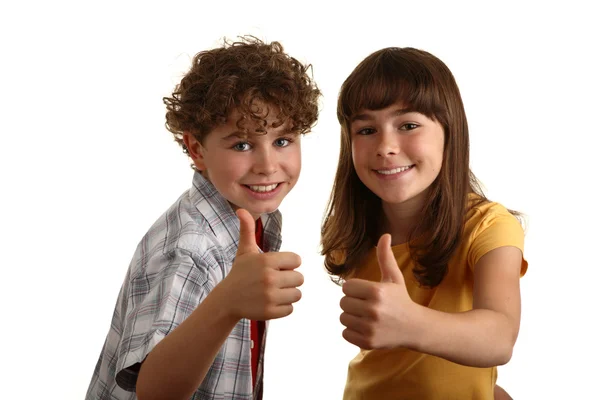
x=262 y=188
x=393 y=171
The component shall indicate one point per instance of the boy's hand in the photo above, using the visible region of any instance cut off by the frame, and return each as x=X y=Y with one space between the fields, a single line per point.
x=261 y=286
x=377 y=314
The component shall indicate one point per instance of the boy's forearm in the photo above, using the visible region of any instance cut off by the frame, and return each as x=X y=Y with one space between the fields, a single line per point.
x=477 y=338
x=176 y=367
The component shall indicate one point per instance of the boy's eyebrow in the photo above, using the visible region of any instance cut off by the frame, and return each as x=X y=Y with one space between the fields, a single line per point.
x=369 y=117
x=291 y=132
x=242 y=135
x=235 y=135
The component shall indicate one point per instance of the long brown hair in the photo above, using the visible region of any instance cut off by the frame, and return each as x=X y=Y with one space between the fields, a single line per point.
x=350 y=228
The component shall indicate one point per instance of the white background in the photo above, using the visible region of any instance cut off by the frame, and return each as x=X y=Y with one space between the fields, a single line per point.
x=87 y=166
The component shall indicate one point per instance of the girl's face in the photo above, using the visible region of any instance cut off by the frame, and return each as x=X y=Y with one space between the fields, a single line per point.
x=397 y=153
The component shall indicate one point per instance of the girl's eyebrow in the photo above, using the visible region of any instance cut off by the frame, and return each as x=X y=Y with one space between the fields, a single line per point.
x=369 y=116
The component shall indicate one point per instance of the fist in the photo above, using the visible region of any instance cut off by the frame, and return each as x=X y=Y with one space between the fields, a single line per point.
x=377 y=314
x=261 y=286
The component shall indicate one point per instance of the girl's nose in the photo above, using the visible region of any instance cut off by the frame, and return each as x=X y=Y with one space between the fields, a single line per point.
x=388 y=144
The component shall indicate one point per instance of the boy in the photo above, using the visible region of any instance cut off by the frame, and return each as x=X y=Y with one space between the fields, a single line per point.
x=189 y=319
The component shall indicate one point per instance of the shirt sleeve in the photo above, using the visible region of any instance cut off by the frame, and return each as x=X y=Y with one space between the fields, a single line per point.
x=163 y=295
x=497 y=229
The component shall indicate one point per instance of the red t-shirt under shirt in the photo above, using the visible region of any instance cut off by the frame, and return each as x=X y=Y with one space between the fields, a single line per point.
x=257 y=328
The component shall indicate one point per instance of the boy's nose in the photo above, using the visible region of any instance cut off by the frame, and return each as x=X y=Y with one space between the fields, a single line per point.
x=265 y=163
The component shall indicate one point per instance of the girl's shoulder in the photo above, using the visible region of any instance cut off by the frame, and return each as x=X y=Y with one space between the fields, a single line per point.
x=490 y=225
x=482 y=211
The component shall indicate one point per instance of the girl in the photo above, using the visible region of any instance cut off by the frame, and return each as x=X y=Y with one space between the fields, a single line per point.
x=431 y=266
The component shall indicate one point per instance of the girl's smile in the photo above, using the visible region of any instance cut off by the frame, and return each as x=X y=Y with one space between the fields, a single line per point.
x=397 y=153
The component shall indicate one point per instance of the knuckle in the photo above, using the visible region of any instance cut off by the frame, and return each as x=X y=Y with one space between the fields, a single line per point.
x=375 y=312
x=368 y=336
x=269 y=262
x=369 y=331
x=377 y=293
x=270 y=297
x=269 y=278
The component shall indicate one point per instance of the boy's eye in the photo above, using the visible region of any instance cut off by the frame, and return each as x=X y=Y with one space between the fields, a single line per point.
x=365 y=131
x=282 y=142
x=241 y=146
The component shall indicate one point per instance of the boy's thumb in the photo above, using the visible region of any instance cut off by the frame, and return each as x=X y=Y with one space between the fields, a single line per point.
x=247 y=242
x=390 y=272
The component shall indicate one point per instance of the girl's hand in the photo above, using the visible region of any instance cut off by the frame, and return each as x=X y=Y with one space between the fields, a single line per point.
x=377 y=315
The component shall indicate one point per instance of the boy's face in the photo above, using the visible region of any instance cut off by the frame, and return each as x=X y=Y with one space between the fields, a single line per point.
x=254 y=172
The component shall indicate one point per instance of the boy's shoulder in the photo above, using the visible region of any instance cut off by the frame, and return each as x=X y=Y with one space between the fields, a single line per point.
x=201 y=221
x=199 y=228
x=183 y=226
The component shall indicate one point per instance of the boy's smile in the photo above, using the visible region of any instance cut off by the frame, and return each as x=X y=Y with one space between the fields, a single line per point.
x=264 y=191
x=254 y=166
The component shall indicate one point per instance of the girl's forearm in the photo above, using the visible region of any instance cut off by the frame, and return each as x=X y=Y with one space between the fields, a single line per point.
x=476 y=338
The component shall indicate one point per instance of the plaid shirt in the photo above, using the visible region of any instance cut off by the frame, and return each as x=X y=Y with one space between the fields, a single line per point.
x=184 y=255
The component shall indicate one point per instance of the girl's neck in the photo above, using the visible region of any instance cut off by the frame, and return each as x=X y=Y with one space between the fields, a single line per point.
x=400 y=219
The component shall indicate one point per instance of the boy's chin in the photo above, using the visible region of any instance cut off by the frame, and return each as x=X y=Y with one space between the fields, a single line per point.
x=257 y=211
x=265 y=210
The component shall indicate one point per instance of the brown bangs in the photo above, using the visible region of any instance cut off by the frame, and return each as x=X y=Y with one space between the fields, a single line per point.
x=387 y=77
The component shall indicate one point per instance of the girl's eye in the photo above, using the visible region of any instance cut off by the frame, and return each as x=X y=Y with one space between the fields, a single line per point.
x=365 y=131
x=409 y=126
x=241 y=146
x=282 y=142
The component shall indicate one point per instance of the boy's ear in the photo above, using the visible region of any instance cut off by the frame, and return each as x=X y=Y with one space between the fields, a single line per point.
x=195 y=150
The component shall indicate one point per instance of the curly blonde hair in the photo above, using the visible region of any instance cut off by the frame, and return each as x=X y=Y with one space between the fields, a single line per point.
x=236 y=76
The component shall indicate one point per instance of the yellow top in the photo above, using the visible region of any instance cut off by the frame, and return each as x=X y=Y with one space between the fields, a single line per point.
x=405 y=374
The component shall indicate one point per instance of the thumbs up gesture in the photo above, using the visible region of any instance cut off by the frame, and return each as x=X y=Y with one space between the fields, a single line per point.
x=261 y=286
x=377 y=315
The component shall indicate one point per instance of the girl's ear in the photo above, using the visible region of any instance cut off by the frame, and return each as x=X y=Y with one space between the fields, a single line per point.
x=195 y=150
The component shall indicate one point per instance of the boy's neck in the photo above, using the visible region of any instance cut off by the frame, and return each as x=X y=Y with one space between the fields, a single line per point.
x=235 y=208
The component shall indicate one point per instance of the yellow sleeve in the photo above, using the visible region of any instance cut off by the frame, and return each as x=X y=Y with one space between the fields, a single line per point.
x=496 y=229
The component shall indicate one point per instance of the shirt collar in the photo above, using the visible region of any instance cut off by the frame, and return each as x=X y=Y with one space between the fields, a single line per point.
x=222 y=220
